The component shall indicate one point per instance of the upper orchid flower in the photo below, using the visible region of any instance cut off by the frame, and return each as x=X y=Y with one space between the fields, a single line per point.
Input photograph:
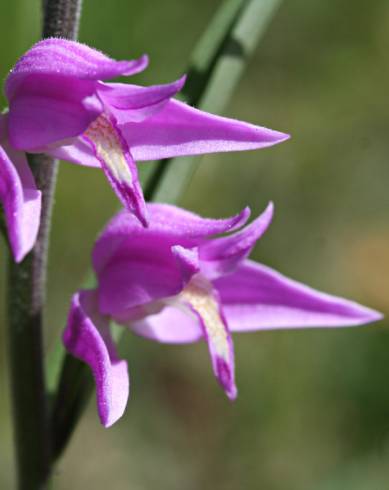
x=59 y=105
x=176 y=282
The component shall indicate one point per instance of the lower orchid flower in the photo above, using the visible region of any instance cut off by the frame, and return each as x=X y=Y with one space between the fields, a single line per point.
x=177 y=281
x=59 y=105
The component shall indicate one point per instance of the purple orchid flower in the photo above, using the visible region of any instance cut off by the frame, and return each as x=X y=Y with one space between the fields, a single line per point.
x=59 y=105
x=177 y=282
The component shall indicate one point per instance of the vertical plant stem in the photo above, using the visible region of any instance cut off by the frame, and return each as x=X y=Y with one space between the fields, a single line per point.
x=61 y=18
x=26 y=301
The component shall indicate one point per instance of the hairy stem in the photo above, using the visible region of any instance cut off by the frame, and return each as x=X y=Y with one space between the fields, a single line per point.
x=61 y=18
x=26 y=301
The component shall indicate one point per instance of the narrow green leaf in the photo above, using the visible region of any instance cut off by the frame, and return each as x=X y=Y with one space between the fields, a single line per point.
x=212 y=80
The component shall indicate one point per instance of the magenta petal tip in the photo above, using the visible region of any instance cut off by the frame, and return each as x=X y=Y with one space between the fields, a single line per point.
x=181 y=82
x=368 y=315
x=136 y=66
x=225 y=377
x=111 y=412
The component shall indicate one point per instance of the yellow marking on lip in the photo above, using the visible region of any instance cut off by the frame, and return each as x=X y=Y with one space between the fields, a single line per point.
x=199 y=295
x=109 y=148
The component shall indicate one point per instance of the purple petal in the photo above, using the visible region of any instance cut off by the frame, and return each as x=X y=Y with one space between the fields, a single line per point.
x=149 y=271
x=181 y=224
x=187 y=261
x=132 y=103
x=152 y=263
x=220 y=256
x=21 y=201
x=119 y=167
x=168 y=224
x=256 y=297
x=203 y=301
x=87 y=337
x=79 y=152
x=61 y=57
x=36 y=121
x=170 y=325
x=179 y=129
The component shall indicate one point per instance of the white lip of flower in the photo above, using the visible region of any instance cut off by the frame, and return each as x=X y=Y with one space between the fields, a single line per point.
x=109 y=148
x=199 y=296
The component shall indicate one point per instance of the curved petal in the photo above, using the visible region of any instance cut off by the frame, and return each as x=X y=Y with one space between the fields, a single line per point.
x=168 y=225
x=21 y=201
x=179 y=129
x=87 y=337
x=120 y=169
x=71 y=59
x=147 y=264
x=132 y=103
x=79 y=152
x=150 y=271
x=220 y=256
x=203 y=301
x=256 y=297
x=36 y=121
x=171 y=325
x=182 y=223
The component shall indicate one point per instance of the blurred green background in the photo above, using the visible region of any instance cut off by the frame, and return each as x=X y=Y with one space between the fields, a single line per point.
x=313 y=410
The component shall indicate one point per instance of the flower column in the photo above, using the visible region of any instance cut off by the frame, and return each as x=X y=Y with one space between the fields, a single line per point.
x=26 y=298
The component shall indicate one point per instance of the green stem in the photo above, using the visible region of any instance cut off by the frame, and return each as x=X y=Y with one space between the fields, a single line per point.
x=27 y=379
x=26 y=300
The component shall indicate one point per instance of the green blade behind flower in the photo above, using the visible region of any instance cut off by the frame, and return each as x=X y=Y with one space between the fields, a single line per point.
x=217 y=64
x=203 y=59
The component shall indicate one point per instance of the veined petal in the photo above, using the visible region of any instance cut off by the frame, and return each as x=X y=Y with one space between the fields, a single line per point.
x=171 y=324
x=71 y=59
x=132 y=103
x=119 y=167
x=87 y=337
x=179 y=129
x=21 y=201
x=220 y=256
x=79 y=152
x=202 y=300
x=146 y=265
x=36 y=121
x=256 y=297
x=182 y=223
x=168 y=226
x=150 y=271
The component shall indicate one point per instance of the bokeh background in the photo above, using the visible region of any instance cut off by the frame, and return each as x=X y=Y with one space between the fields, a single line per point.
x=313 y=410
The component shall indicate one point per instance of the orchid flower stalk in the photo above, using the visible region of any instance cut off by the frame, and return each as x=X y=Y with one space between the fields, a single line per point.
x=27 y=213
x=59 y=104
x=177 y=281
